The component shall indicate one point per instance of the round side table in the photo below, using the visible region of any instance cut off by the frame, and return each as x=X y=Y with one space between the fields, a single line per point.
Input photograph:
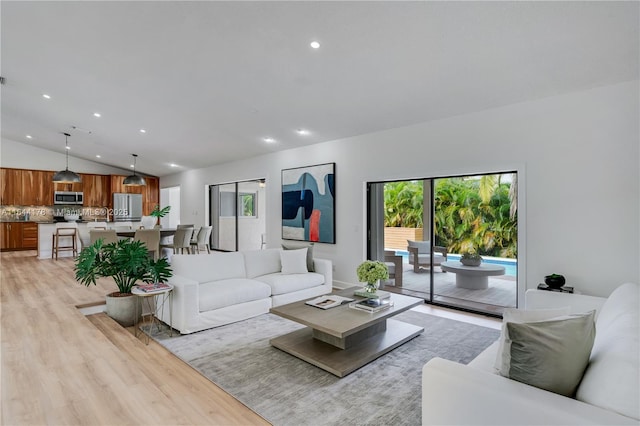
x=154 y=300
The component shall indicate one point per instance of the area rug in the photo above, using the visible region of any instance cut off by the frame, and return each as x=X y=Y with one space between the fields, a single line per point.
x=287 y=391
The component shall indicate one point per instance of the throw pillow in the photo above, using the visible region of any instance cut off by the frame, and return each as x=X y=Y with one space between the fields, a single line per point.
x=552 y=355
x=294 y=261
x=298 y=246
x=521 y=316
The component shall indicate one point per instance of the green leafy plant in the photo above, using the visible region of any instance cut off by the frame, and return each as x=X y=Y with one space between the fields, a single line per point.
x=471 y=256
x=158 y=212
x=371 y=271
x=126 y=261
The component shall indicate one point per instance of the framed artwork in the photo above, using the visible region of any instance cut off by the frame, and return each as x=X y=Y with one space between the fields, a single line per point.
x=308 y=203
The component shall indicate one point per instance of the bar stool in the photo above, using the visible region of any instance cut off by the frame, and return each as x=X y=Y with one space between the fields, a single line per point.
x=64 y=232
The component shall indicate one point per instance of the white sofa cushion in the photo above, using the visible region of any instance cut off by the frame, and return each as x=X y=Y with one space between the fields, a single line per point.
x=262 y=262
x=611 y=380
x=218 y=294
x=294 y=261
x=209 y=267
x=288 y=283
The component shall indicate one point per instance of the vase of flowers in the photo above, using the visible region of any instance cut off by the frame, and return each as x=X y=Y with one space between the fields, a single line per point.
x=371 y=272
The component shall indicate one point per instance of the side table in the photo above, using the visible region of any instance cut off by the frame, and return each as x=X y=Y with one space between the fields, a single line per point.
x=154 y=301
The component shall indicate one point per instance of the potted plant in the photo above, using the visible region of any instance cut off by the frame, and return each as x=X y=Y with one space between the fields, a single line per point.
x=371 y=272
x=158 y=212
x=471 y=259
x=554 y=280
x=127 y=262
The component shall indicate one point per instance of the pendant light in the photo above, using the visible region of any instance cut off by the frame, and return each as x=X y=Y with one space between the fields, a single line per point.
x=134 y=179
x=66 y=175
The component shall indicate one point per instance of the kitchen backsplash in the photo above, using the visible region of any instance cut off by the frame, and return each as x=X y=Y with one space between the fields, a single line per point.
x=46 y=213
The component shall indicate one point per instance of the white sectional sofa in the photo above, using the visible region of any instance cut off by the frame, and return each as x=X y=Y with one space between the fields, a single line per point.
x=608 y=393
x=215 y=289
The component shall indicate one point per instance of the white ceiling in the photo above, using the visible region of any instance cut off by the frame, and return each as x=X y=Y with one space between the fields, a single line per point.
x=209 y=80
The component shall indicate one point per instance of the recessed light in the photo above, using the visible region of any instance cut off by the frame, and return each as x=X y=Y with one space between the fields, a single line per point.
x=303 y=132
x=44 y=95
x=269 y=140
x=143 y=131
x=173 y=165
x=132 y=166
x=97 y=114
x=68 y=147
x=98 y=156
x=29 y=137
x=314 y=44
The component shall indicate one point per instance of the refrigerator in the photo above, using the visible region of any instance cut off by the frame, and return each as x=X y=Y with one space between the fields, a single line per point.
x=127 y=207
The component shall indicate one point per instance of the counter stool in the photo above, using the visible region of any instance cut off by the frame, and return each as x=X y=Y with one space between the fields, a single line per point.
x=64 y=231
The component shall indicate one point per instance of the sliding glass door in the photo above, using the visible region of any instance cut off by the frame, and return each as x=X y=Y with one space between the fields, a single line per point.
x=423 y=227
x=237 y=215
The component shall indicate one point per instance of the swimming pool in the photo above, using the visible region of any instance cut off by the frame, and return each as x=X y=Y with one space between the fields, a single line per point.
x=510 y=265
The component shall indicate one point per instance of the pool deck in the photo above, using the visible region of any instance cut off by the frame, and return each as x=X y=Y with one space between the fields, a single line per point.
x=500 y=294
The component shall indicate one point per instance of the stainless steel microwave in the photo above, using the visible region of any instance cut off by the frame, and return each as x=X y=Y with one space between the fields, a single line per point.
x=67 y=197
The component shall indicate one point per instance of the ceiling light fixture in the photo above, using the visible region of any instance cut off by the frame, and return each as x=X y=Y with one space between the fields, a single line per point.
x=44 y=95
x=98 y=156
x=29 y=137
x=97 y=114
x=314 y=44
x=66 y=175
x=134 y=179
x=303 y=132
x=173 y=165
x=269 y=140
x=143 y=131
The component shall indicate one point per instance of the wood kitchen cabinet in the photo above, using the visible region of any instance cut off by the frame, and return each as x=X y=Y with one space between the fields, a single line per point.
x=11 y=186
x=37 y=188
x=117 y=186
x=19 y=236
x=69 y=187
x=151 y=196
x=96 y=190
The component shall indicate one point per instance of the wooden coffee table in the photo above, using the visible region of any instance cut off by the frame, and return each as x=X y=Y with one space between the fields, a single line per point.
x=340 y=340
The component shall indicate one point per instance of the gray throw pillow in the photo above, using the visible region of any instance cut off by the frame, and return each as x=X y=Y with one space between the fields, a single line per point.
x=552 y=355
x=298 y=246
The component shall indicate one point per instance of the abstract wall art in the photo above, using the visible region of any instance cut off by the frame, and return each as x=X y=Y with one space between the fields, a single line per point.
x=308 y=203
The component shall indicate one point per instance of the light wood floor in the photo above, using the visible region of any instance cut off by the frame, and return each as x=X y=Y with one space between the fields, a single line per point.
x=60 y=367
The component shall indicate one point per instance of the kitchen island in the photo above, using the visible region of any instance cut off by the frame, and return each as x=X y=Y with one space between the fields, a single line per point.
x=47 y=229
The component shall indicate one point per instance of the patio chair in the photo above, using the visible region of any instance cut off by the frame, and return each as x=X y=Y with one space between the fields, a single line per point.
x=394 y=264
x=420 y=255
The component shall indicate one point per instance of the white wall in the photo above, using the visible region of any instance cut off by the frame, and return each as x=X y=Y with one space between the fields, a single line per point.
x=578 y=159
x=19 y=155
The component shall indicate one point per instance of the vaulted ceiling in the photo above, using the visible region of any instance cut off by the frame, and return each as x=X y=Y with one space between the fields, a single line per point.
x=210 y=81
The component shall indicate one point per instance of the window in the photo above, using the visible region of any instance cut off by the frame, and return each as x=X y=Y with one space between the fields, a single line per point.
x=246 y=204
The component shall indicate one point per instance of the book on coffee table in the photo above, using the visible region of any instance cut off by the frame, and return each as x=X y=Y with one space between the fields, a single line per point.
x=328 y=301
x=372 y=305
x=151 y=287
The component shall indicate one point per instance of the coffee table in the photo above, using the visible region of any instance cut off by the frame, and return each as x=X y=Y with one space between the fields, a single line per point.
x=342 y=339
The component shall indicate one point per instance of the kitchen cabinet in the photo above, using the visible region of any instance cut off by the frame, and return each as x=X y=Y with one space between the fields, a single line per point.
x=70 y=187
x=11 y=186
x=19 y=236
x=151 y=196
x=96 y=190
x=37 y=188
x=117 y=186
x=29 y=236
